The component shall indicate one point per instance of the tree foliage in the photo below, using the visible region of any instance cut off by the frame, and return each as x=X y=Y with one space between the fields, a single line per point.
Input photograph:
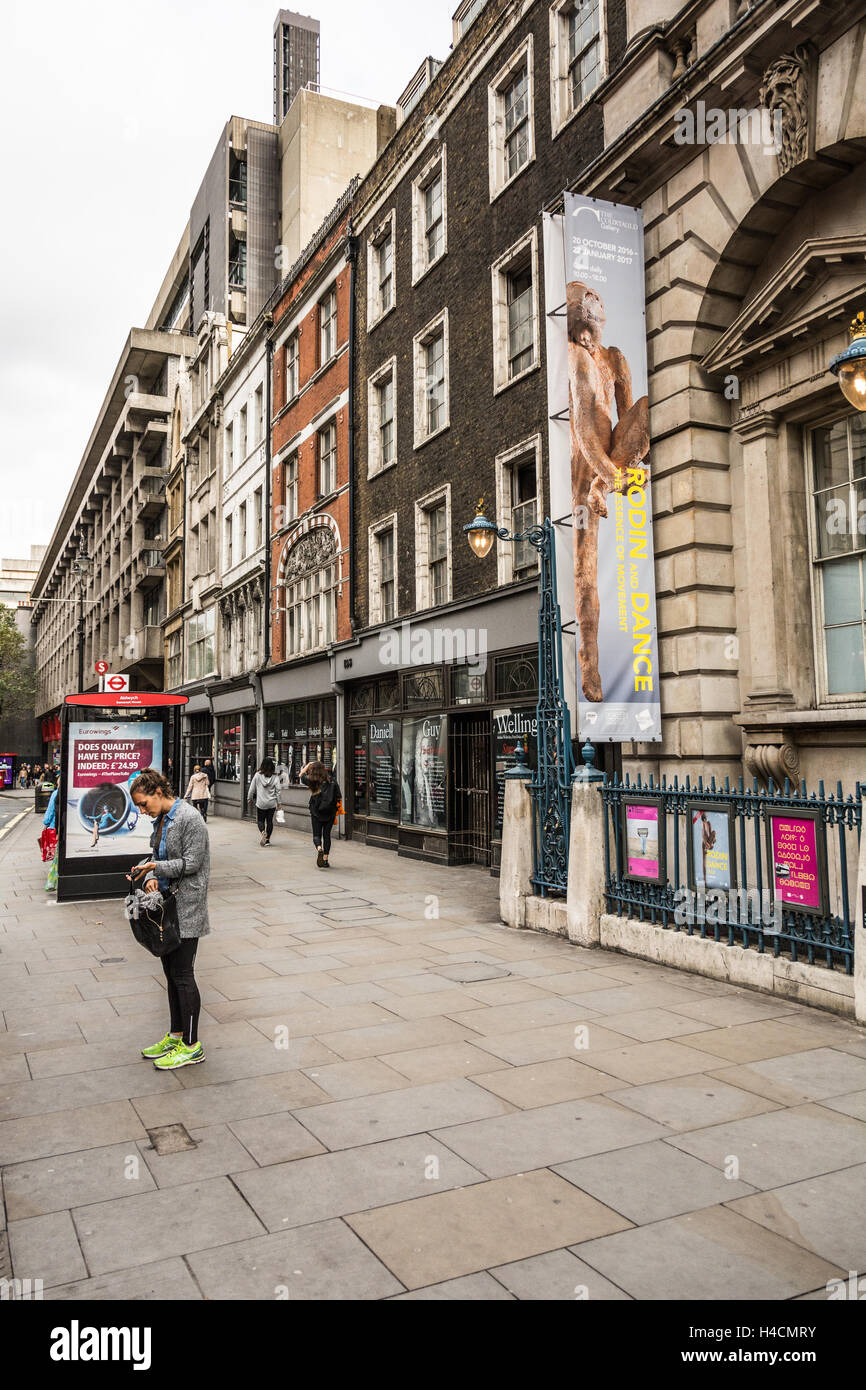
x=17 y=676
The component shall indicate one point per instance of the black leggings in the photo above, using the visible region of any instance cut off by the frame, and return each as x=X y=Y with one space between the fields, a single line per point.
x=201 y=807
x=265 y=819
x=322 y=834
x=184 y=1000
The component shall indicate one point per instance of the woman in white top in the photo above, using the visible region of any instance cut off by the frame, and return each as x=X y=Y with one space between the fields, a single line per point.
x=198 y=791
x=265 y=788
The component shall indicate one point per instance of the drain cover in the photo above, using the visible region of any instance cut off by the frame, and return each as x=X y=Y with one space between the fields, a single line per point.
x=171 y=1139
x=466 y=971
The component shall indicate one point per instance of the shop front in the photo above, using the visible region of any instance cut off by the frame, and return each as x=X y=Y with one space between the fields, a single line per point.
x=301 y=724
x=428 y=750
x=237 y=744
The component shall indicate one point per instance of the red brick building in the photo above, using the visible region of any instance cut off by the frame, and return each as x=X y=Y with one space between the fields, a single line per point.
x=310 y=509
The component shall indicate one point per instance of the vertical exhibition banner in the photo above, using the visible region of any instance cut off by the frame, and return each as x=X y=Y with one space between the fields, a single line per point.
x=609 y=472
x=103 y=761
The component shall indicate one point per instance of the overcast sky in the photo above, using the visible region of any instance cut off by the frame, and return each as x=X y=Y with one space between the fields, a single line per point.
x=112 y=111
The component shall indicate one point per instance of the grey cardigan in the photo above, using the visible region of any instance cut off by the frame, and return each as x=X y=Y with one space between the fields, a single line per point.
x=266 y=791
x=188 y=849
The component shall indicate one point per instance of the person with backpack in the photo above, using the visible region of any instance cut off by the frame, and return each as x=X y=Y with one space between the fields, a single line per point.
x=324 y=801
x=265 y=790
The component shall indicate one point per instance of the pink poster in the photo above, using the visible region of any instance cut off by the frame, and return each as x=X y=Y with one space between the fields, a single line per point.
x=796 y=876
x=642 y=841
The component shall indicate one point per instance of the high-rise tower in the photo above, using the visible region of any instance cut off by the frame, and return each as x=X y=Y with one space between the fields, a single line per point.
x=296 y=58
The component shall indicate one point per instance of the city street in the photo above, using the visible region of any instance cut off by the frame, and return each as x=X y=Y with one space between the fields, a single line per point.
x=404 y=1099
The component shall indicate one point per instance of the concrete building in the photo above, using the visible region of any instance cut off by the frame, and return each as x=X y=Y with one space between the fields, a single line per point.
x=296 y=59
x=754 y=264
x=21 y=737
x=112 y=609
x=17 y=576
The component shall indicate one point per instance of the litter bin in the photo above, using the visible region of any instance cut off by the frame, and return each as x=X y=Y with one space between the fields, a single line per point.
x=43 y=796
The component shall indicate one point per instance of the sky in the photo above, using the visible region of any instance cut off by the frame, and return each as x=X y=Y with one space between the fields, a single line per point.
x=111 y=112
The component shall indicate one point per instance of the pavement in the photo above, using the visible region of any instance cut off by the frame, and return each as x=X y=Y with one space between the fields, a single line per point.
x=404 y=1099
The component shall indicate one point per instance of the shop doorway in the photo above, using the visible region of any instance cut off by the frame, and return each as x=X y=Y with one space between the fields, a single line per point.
x=471 y=757
x=250 y=763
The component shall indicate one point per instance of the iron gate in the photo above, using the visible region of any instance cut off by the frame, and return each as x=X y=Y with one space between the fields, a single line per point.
x=471 y=752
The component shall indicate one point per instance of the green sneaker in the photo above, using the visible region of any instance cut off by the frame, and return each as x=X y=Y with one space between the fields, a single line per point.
x=166 y=1044
x=180 y=1056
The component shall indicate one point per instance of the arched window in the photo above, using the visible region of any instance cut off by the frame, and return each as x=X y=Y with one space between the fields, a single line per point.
x=310 y=577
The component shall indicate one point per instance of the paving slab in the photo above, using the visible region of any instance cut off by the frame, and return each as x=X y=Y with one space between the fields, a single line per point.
x=314 y=1189
x=558 y=1275
x=74 y=1180
x=276 y=1138
x=582 y=1039
x=652 y=1061
x=412 y=1110
x=544 y=1083
x=313 y=1263
x=67 y=1131
x=229 y=1100
x=824 y=1215
x=384 y=1038
x=781 y=1147
x=538 y=1138
x=450 y=1234
x=46 y=1248
x=753 y=1042
x=367 y=1076
x=168 y=1280
x=87 y=1088
x=714 y=1254
x=472 y=1288
x=693 y=1102
x=650 y=1182
x=442 y=1061
x=814 y=1075
x=157 y=1225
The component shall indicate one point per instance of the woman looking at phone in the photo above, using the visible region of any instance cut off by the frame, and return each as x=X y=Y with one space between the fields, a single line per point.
x=182 y=862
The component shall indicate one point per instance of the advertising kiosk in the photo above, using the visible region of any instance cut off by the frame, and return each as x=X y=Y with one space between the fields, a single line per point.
x=107 y=740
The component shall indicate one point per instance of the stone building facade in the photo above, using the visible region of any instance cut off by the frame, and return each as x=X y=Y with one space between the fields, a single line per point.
x=754 y=256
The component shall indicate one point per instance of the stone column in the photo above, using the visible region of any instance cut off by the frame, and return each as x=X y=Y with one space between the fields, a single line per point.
x=586 y=868
x=768 y=680
x=515 y=871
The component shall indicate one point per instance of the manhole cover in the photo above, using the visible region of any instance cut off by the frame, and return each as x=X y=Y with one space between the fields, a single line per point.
x=466 y=971
x=171 y=1139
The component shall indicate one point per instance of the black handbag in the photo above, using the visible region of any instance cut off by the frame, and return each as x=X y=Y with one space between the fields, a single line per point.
x=158 y=929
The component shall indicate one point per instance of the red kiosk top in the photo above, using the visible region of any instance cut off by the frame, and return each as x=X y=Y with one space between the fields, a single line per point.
x=127 y=699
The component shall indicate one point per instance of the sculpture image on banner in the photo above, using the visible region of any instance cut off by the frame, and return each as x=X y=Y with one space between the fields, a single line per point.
x=713 y=856
x=424 y=773
x=611 y=505
x=103 y=761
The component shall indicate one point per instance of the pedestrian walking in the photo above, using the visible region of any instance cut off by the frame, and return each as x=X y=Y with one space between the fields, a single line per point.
x=22 y=777
x=181 y=858
x=48 y=841
x=198 y=790
x=324 y=801
x=210 y=770
x=265 y=791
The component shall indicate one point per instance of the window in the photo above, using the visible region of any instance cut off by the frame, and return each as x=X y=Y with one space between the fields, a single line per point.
x=228 y=542
x=380 y=269
x=511 y=136
x=515 y=312
x=200 y=645
x=518 y=483
x=173 y=661
x=204 y=456
x=576 y=55
x=383 y=570
x=243 y=434
x=230 y=447
x=229 y=748
x=328 y=459
x=838 y=459
x=466 y=15
x=381 y=422
x=242 y=531
x=292 y=384
x=311 y=593
x=298 y=734
x=327 y=327
x=258 y=501
x=429 y=216
x=291 y=489
x=204 y=565
x=432 y=404
x=432 y=549
x=260 y=414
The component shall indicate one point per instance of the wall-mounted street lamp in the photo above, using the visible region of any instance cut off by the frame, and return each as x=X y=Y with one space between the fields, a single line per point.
x=850 y=366
x=550 y=786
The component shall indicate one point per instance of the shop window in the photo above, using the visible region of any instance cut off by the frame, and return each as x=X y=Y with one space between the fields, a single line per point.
x=359 y=771
x=424 y=773
x=510 y=728
x=467 y=685
x=384 y=769
x=423 y=688
x=301 y=733
x=229 y=748
x=516 y=675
